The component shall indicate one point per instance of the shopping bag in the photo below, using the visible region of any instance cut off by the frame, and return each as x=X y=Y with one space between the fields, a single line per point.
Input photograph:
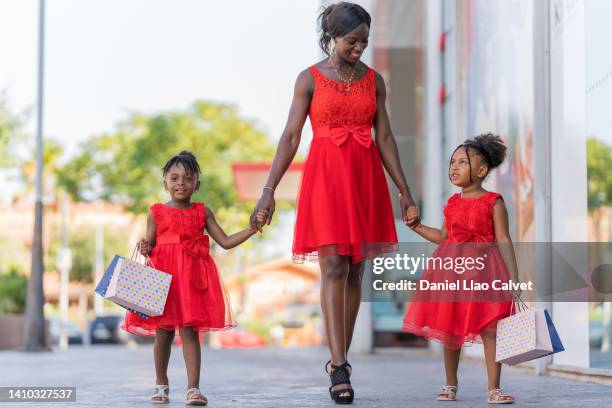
x=136 y=287
x=526 y=335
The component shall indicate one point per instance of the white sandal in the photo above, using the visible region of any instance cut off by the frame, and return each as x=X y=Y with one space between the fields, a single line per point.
x=497 y=396
x=195 y=397
x=448 y=393
x=161 y=395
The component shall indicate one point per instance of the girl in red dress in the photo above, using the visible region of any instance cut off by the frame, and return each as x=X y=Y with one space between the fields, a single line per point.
x=344 y=213
x=197 y=301
x=472 y=216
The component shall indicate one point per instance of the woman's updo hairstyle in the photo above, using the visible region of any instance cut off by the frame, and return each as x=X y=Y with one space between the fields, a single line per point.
x=339 y=19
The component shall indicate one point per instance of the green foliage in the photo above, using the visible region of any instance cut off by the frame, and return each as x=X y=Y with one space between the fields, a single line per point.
x=258 y=326
x=14 y=256
x=52 y=152
x=125 y=166
x=10 y=134
x=599 y=176
x=13 y=292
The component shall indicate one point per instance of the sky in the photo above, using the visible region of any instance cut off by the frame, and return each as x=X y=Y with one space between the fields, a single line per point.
x=107 y=58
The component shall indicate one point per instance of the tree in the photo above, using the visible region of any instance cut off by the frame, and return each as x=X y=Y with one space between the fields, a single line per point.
x=599 y=183
x=82 y=244
x=125 y=166
x=599 y=163
x=10 y=134
x=52 y=152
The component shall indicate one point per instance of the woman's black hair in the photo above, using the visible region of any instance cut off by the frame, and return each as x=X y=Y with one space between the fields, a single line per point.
x=339 y=19
x=187 y=159
x=490 y=147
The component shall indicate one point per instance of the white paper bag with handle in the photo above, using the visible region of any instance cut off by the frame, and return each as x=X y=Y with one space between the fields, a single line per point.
x=138 y=287
x=523 y=336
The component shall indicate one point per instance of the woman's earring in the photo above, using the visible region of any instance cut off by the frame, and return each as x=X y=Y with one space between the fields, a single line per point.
x=333 y=52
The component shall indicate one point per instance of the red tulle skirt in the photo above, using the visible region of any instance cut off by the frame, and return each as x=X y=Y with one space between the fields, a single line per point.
x=343 y=206
x=200 y=303
x=458 y=317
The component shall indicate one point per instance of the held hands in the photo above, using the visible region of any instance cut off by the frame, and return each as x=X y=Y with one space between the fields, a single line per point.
x=143 y=246
x=413 y=217
x=267 y=205
x=410 y=212
x=260 y=219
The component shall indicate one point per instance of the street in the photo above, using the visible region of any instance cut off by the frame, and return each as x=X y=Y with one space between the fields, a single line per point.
x=120 y=376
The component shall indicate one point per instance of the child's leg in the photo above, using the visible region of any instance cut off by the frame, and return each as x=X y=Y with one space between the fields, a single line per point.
x=191 y=353
x=493 y=368
x=451 y=365
x=161 y=352
x=493 y=371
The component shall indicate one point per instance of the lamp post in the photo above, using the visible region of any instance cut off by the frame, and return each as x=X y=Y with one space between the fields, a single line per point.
x=34 y=328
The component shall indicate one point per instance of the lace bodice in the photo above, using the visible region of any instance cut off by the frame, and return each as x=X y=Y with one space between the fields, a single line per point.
x=332 y=104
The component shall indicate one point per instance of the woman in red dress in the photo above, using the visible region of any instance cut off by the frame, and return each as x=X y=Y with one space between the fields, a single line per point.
x=344 y=213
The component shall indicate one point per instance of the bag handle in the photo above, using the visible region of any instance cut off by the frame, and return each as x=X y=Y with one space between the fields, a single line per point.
x=521 y=306
x=135 y=253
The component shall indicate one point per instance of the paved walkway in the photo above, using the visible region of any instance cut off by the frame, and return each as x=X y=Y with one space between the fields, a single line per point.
x=118 y=376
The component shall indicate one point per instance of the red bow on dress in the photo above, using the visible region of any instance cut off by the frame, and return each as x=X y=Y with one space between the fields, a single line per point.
x=339 y=134
x=466 y=235
x=471 y=243
x=198 y=246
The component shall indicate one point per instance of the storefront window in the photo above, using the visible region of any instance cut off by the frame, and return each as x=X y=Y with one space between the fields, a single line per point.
x=398 y=42
x=598 y=31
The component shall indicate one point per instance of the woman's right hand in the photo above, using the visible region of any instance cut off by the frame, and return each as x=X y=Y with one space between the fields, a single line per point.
x=143 y=245
x=413 y=216
x=267 y=204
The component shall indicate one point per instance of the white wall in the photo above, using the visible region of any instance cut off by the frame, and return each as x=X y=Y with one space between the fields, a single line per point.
x=568 y=162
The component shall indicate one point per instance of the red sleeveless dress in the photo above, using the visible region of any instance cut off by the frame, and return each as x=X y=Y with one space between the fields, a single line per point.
x=343 y=205
x=196 y=297
x=452 y=317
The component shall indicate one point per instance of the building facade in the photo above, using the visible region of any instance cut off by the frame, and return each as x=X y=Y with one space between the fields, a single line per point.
x=535 y=72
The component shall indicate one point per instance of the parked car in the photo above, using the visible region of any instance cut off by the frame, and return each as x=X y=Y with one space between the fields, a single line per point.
x=242 y=339
x=107 y=330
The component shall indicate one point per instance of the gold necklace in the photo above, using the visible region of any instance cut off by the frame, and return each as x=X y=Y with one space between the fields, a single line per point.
x=346 y=81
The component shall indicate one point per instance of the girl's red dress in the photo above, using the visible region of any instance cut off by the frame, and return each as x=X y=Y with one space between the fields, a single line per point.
x=343 y=205
x=458 y=317
x=196 y=297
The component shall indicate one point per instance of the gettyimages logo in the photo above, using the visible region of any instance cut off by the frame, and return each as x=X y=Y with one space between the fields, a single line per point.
x=412 y=265
x=541 y=271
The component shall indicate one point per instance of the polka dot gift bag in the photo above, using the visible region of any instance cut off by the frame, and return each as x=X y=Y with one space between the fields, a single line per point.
x=136 y=287
x=526 y=335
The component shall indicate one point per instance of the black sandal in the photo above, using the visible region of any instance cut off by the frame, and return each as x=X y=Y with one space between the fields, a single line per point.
x=329 y=363
x=340 y=376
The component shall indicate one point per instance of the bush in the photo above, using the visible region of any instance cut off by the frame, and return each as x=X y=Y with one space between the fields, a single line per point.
x=13 y=292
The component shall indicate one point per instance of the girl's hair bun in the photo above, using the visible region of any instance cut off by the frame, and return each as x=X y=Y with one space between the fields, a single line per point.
x=490 y=146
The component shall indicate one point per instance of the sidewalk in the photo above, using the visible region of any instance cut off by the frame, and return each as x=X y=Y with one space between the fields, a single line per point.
x=117 y=376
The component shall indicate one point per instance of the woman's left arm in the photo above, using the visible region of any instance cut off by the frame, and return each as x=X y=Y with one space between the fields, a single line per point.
x=388 y=148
